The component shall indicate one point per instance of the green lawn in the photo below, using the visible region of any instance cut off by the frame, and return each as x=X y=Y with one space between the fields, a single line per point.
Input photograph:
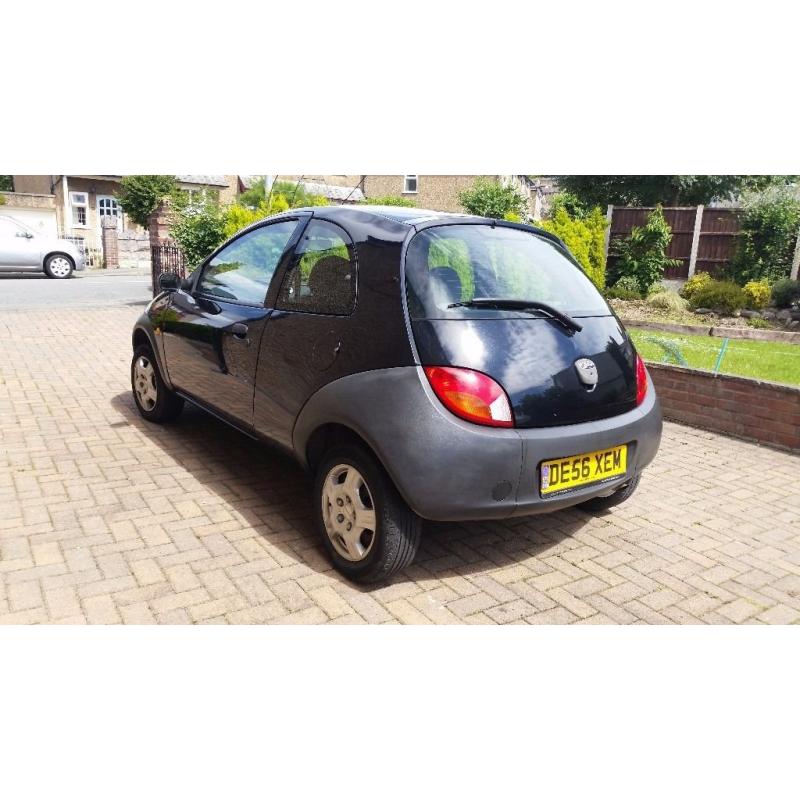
x=770 y=361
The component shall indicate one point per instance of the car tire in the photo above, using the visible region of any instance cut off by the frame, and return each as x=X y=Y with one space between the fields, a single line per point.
x=352 y=488
x=59 y=266
x=154 y=399
x=599 y=504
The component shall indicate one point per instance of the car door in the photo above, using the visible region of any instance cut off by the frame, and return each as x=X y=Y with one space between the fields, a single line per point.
x=310 y=338
x=212 y=333
x=18 y=246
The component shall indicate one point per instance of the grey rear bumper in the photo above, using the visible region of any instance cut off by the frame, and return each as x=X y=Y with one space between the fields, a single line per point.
x=449 y=470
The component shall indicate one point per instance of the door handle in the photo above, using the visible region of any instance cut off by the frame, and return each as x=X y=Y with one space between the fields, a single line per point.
x=239 y=330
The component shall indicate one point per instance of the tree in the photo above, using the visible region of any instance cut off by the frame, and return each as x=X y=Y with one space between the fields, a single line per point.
x=673 y=190
x=139 y=195
x=490 y=198
x=768 y=235
x=6 y=183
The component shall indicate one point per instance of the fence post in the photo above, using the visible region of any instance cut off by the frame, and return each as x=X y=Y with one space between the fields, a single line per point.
x=698 y=227
x=607 y=238
x=108 y=230
x=796 y=259
x=158 y=229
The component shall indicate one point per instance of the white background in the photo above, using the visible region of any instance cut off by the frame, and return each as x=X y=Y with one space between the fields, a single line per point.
x=349 y=87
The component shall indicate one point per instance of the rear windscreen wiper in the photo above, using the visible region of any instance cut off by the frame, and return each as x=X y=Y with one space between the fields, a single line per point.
x=521 y=305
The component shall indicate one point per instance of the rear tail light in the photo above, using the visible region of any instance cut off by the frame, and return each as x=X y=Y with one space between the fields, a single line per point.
x=641 y=380
x=471 y=395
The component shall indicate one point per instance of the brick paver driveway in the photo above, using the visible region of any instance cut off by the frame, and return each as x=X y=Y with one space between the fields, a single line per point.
x=104 y=518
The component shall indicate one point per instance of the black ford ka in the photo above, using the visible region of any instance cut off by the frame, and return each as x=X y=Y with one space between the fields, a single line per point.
x=422 y=365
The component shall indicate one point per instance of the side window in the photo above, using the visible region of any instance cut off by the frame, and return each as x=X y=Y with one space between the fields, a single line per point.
x=323 y=277
x=8 y=228
x=242 y=271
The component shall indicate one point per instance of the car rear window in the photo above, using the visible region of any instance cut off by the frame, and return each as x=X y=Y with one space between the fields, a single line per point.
x=456 y=263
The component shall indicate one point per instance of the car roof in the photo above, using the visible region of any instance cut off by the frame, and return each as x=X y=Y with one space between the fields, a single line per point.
x=401 y=214
x=413 y=217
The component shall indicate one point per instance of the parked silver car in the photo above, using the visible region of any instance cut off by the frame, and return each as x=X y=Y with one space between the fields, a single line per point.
x=24 y=250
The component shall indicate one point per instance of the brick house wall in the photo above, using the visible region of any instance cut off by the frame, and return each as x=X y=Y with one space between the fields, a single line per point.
x=758 y=410
x=437 y=192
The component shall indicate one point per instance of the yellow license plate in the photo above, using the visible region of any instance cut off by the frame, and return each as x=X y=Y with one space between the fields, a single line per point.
x=570 y=473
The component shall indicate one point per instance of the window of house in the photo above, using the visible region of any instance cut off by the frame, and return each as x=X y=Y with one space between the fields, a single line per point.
x=242 y=271
x=108 y=207
x=410 y=184
x=79 y=202
x=322 y=279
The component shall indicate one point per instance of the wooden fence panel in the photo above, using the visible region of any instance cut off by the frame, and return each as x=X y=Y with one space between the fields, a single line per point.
x=718 y=239
x=716 y=244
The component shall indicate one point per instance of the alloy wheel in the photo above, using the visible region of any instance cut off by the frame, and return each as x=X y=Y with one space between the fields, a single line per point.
x=348 y=512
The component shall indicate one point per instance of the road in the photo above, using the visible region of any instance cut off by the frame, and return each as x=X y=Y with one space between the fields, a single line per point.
x=84 y=290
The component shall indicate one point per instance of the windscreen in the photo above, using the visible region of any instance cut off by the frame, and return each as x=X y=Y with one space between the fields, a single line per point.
x=456 y=263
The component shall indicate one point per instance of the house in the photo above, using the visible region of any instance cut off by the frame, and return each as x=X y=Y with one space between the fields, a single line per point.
x=79 y=202
x=440 y=192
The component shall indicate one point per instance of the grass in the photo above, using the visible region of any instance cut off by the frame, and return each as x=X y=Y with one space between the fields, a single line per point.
x=769 y=361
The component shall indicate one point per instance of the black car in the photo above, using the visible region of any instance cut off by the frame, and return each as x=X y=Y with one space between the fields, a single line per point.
x=422 y=365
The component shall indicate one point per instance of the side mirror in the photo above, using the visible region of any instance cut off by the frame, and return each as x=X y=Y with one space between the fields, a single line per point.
x=169 y=281
x=25 y=235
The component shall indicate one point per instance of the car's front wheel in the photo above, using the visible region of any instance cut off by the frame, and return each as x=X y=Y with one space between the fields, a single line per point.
x=58 y=266
x=368 y=530
x=155 y=401
x=599 y=504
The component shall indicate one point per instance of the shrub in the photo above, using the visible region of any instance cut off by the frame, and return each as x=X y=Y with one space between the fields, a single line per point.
x=644 y=253
x=198 y=232
x=570 y=202
x=139 y=195
x=388 y=200
x=295 y=195
x=756 y=322
x=237 y=216
x=768 y=235
x=723 y=296
x=667 y=300
x=584 y=238
x=785 y=293
x=698 y=281
x=618 y=292
x=758 y=293
x=489 y=198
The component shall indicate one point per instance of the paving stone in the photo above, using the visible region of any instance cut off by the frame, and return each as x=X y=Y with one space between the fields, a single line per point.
x=106 y=519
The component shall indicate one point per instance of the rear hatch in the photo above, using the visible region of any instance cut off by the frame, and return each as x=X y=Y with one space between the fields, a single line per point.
x=466 y=286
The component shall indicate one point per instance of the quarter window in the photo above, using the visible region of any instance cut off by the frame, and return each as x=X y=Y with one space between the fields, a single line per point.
x=322 y=279
x=410 y=184
x=242 y=271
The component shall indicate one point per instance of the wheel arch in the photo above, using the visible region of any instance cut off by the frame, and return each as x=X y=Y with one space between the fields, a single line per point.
x=143 y=335
x=330 y=434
